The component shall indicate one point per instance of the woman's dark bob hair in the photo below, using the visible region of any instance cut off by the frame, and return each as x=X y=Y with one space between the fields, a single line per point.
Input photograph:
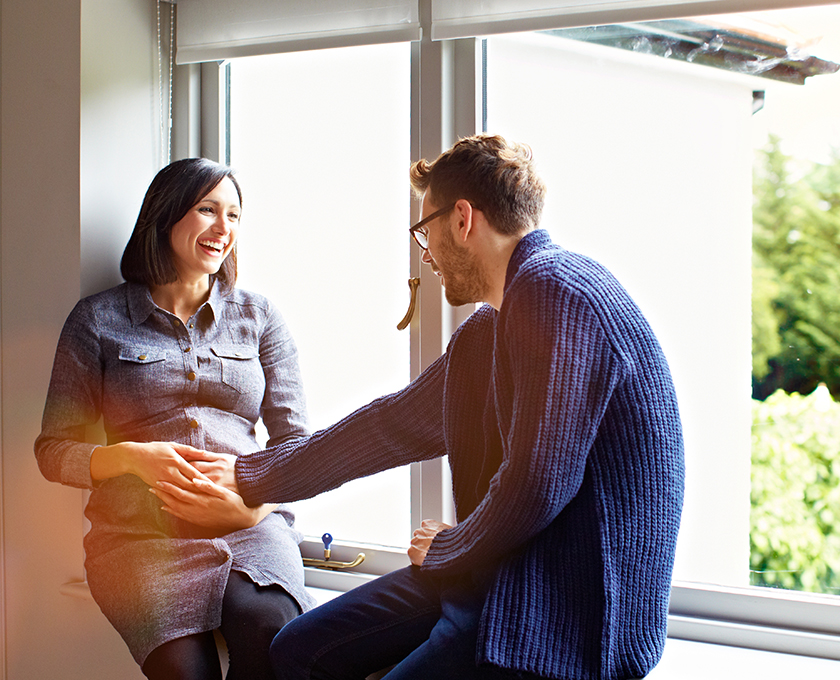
x=147 y=257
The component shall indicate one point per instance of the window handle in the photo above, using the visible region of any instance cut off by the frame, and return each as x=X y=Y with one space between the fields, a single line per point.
x=327 y=563
x=414 y=284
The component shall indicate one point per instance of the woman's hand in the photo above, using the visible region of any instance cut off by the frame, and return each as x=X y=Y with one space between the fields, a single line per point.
x=422 y=540
x=217 y=467
x=150 y=461
x=214 y=506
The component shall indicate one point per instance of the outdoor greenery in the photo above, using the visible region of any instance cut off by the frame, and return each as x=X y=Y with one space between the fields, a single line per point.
x=796 y=274
x=794 y=533
x=795 y=542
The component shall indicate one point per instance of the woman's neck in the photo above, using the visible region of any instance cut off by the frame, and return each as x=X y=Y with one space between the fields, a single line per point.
x=182 y=299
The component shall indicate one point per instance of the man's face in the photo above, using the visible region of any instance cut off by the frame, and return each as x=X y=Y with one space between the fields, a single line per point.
x=463 y=278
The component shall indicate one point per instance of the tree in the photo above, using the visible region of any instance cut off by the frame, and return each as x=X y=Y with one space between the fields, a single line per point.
x=796 y=274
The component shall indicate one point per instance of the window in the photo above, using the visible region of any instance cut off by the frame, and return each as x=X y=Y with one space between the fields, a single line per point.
x=319 y=143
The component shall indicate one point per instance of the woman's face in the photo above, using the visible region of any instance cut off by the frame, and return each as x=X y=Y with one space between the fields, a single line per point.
x=203 y=238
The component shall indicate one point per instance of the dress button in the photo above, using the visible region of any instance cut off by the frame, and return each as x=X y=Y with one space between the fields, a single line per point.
x=190 y=376
x=142 y=357
x=193 y=423
x=188 y=349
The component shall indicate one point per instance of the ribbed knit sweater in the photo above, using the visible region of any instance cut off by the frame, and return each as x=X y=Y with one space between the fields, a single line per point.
x=560 y=420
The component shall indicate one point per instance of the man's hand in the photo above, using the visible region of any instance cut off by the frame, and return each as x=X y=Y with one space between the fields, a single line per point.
x=213 y=506
x=422 y=539
x=217 y=467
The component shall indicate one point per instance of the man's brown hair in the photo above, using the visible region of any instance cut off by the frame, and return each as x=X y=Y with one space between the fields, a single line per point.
x=495 y=176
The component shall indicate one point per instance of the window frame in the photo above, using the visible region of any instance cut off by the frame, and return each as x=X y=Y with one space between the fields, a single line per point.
x=448 y=74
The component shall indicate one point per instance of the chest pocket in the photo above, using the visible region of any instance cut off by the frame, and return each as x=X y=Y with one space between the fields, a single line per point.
x=241 y=367
x=140 y=375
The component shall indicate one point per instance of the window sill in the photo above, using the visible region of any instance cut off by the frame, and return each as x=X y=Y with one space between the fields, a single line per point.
x=683 y=659
x=691 y=660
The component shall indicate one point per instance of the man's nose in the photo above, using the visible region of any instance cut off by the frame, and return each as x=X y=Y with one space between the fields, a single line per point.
x=425 y=257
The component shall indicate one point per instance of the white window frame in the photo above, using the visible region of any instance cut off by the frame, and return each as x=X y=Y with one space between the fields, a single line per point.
x=445 y=105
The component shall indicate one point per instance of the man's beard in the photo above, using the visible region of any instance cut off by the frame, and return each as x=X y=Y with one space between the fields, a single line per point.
x=464 y=281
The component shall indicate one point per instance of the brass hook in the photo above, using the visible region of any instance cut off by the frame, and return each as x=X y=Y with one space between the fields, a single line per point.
x=326 y=563
x=414 y=284
x=330 y=564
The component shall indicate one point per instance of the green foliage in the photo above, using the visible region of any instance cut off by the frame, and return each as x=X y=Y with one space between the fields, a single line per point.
x=795 y=516
x=796 y=274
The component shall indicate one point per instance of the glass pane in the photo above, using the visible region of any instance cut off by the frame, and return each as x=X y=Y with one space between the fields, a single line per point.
x=320 y=144
x=647 y=136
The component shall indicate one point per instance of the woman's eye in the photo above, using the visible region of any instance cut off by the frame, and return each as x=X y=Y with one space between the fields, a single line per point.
x=205 y=208
x=233 y=216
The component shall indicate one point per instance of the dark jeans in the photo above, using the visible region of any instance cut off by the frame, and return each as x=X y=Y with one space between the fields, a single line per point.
x=425 y=625
x=251 y=617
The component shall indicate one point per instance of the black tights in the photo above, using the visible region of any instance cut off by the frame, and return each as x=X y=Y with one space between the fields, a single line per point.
x=251 y=617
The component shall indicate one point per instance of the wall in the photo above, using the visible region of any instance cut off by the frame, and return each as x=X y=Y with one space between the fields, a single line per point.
x=78 y=144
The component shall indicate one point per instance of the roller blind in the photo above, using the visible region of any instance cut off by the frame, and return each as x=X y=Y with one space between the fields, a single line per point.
x=209 y=30
x=465 y=18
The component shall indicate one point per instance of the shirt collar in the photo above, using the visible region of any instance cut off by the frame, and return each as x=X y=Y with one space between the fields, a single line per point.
x=529 y=244
x=141 y=305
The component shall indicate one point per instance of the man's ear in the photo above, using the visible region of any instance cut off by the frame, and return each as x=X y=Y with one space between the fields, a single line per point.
x=464 y=216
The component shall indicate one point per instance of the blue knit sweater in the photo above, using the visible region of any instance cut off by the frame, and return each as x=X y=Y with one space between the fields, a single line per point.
x=560 y=420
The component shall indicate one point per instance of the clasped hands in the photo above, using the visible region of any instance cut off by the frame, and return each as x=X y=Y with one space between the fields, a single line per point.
x=207 y=495
x=204 y=491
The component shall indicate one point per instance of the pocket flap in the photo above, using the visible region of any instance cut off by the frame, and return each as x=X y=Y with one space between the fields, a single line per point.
x=142 y=355
x=235 y=351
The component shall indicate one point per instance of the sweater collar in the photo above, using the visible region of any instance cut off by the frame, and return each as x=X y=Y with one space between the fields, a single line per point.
x=529 y=244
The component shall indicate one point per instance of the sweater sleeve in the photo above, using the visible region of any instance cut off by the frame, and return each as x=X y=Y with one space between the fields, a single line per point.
x=556 y=371
x=74 y=402
x=397 y=429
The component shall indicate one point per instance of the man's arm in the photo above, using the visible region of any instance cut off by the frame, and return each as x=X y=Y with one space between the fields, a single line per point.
x=394 y=430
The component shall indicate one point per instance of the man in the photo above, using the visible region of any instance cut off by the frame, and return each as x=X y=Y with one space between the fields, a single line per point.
x=556 y=408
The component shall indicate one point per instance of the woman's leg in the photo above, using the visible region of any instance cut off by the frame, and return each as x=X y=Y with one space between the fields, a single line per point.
x=251 y=617
x=193 y=657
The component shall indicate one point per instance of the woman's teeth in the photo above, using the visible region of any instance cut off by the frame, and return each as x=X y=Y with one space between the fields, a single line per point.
x=212 y=245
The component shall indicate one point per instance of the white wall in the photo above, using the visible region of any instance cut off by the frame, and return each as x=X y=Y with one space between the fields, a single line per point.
x=78 y=145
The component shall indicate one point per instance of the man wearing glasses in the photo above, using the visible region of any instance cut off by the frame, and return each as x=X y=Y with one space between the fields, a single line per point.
x=556 y=408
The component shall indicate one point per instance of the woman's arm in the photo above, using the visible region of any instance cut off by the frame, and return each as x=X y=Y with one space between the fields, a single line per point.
x=74 y=401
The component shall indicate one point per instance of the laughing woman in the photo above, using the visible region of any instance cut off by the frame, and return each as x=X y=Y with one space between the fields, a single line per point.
x=177 y=355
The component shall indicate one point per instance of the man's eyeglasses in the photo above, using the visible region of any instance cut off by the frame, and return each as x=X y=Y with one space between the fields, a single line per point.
x=419 y=231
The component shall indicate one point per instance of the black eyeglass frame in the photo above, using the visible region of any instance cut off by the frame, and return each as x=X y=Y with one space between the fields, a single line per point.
x=421 y=238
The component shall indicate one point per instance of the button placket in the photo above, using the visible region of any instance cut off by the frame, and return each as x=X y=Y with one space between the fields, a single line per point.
x=190 y=359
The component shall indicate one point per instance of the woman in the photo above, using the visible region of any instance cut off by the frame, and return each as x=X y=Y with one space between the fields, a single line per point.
x=177 y=356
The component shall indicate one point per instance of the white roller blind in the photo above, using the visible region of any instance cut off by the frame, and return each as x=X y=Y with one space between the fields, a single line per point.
x=210 y=30
x=465 y=18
